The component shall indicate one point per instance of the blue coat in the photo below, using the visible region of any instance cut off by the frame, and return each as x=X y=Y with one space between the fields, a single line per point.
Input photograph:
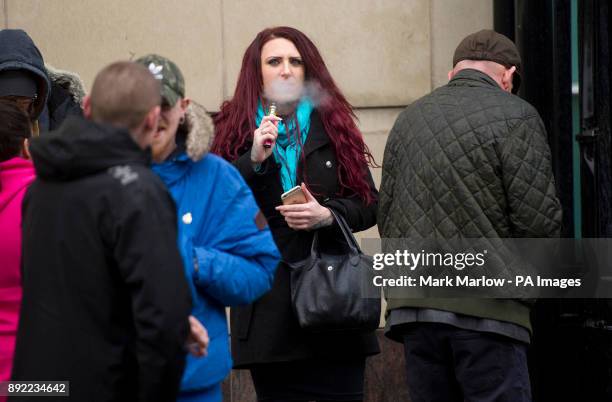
x=236 y=256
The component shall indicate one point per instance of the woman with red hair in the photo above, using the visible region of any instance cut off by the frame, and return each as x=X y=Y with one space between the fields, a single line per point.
x=311 y=141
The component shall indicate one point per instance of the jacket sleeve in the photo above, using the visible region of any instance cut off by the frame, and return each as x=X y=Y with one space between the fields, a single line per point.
x=245 y=167
x=150 y=264
x=534 y=209
x=238 y=266
x=387 y=184
x=253 y=178
x=358 y=215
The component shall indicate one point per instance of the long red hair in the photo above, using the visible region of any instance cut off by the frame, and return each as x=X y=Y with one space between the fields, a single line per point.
x=235 y=122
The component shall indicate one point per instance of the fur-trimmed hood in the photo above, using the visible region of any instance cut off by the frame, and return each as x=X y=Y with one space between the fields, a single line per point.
x=68 y=80
x=200 y=130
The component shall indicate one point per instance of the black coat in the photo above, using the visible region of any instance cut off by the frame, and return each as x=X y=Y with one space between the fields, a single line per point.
x=60 y=106
x=105 y=300
x=267 y=331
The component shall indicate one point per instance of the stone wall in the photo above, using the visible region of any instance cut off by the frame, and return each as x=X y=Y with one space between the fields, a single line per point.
x=384 y=54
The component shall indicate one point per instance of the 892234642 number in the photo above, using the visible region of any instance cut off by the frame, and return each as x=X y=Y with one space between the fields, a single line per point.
x=42 y=388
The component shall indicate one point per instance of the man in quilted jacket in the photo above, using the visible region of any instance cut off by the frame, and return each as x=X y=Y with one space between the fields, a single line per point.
x=469 y=160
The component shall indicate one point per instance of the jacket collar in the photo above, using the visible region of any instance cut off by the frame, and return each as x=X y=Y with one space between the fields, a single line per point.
x=200 y=131
x=81 y=148
x=472 y=78
x=174 y=168
x=192 y=148
x=68 y=80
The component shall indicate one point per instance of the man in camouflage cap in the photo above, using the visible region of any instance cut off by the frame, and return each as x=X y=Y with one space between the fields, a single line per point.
x=174 y=105
x=229 y=256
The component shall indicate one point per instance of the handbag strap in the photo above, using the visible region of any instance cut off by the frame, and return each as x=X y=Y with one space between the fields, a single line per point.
x=355 y=250
x=346 y=231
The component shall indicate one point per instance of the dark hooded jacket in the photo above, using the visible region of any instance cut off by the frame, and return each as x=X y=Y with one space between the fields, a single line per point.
x=18 y=52
x=105 y=300
x=58 y=97
x=67 y=93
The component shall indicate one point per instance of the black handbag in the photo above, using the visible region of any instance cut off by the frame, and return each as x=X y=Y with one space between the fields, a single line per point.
x=331 y=289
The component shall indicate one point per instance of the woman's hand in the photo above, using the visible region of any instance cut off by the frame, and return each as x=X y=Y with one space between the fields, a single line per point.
x=266 y=133
x=308 y=216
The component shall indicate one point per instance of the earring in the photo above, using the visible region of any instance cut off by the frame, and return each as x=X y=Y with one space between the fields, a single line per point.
x=182 y=120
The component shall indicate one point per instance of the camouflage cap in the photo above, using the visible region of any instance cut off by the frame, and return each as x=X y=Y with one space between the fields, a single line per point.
x=172 y=81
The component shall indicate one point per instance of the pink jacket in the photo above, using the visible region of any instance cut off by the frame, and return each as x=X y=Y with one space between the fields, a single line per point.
x=15 y=176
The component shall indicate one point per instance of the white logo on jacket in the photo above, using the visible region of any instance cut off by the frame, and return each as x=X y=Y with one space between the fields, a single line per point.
x=124 y=174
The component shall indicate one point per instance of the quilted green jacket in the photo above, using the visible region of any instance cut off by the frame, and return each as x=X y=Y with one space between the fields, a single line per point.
x=469 y=160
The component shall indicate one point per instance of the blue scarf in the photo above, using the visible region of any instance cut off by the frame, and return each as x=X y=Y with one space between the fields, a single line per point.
x=288 y=146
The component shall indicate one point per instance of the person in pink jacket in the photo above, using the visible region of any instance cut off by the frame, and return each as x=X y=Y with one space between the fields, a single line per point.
x=16 y=174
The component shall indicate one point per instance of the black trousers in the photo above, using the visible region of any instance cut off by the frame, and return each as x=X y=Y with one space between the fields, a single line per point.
x=570 y=361
x=310 y=380
x=448 y=364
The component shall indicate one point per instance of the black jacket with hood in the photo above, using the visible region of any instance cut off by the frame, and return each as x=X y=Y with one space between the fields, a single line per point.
x=18 y=52
x=60 y=91
x=105 y=300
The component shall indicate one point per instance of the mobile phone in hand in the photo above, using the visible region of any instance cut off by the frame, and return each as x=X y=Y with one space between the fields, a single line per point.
x=293 y=196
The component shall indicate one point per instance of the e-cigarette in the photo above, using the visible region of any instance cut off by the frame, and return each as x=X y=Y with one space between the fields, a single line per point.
x=268 y=143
